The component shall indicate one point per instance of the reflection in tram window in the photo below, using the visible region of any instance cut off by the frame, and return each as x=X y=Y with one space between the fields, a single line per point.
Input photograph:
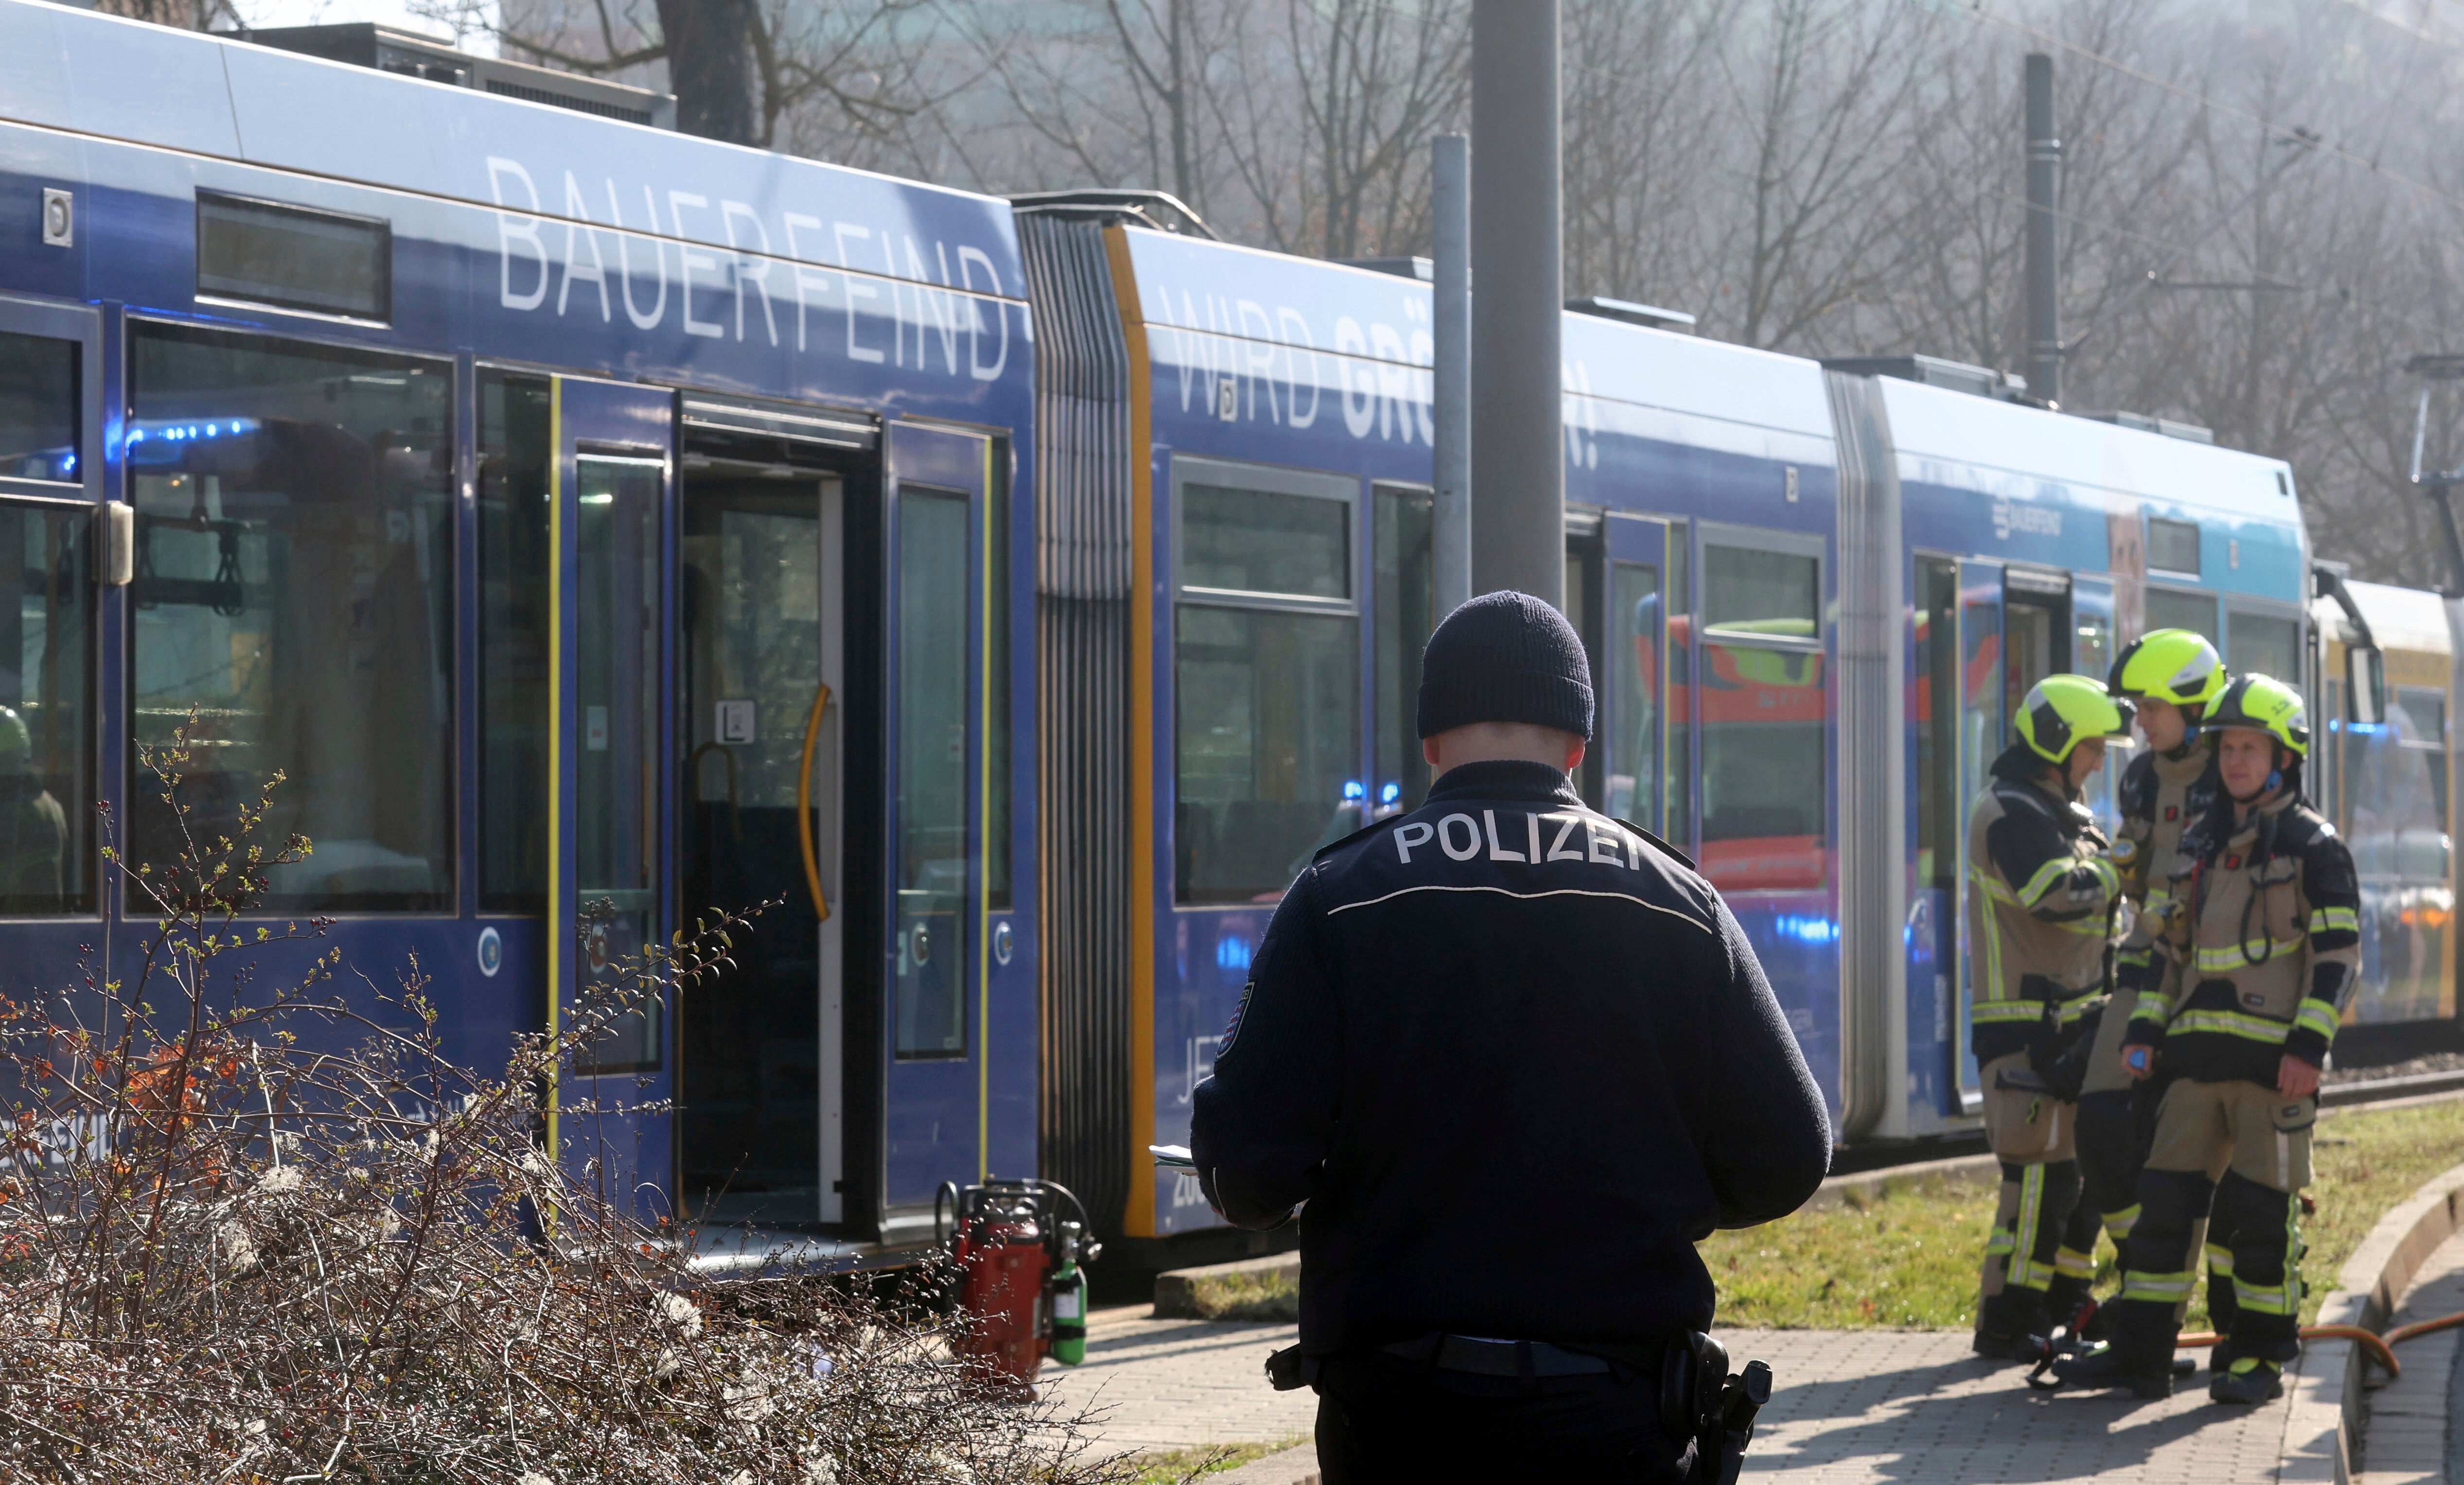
x=1406 y=598
x=1934 y=714
x=1270 y=728
x=1757 y=592
x=1260 y=541
x=1764 y=767
x=293 y=592
x=2173 y=607
x=933 y=710
x=1678 y=818
x=2394 y=789
x=1635 y=789
x=46 y=783
x=38 y=409
x=514 y=627
x=616 y=844
x=2264 y=645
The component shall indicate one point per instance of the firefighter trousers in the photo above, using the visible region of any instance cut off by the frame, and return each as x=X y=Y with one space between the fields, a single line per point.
x=2253 y=1217
x=2033 y=1272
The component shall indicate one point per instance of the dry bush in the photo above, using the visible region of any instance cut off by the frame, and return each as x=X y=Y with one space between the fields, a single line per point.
x=254 y=1231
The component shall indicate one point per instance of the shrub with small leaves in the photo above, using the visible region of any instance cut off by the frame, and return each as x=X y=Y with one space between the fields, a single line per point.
x=254 y=1230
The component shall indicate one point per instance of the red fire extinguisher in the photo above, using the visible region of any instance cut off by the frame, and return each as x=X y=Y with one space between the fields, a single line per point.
x=1011 y=1247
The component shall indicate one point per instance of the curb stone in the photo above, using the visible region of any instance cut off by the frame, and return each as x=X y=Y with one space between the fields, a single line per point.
x=2328 y=1380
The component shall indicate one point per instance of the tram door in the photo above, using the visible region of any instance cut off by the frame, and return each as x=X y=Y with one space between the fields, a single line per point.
x=943 y=954
x=760 y=683
x=1981 y=729
x=608 y=516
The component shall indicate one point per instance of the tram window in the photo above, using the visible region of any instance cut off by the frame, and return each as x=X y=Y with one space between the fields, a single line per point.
x=933 y=705
x=1935 y=705
x=1264 y=542
x=2423 y=731
x=1406 y=598
x=1266 y=688
x=997 y=805
x=268 y=254
x=295 y=592
x=2173 y=545
x=1776 y=594
x=1633 y=786
x=1764 y=711
x=617 y=853
x=2264 y=645
x=38 y=409
x=2172 y=608
x=513 y=642
x=46 y=773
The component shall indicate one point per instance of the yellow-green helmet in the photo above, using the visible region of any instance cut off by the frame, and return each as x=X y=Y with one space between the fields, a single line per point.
x=2263 y=703
x=2059 y=710
x=2176 y=665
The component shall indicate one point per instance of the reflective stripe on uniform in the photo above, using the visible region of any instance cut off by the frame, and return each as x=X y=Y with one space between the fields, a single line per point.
x=2319 y=1016
x=2331 y=919
x=2024 y=1273
x=2219 y=1262
x=2231 y=1022
x=2118 y=1223
x=2163 y=1288
x=2071 y=1263
x=2235 y=956
x=2269 y=1298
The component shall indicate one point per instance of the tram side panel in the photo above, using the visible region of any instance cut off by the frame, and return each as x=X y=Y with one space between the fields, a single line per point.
x=479 y=264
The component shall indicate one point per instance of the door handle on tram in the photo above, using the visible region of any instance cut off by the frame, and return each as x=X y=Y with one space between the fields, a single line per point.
x=804 y=803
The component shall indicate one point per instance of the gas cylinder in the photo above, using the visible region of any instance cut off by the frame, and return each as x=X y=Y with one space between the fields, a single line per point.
x=1069 y=1302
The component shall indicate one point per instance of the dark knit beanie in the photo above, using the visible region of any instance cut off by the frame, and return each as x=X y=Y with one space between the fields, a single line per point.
x=1506 y=656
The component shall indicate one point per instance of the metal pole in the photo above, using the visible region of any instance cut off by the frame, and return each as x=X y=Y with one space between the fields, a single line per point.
x=1518 y=462
x=1450 y=203
x=2044 y=188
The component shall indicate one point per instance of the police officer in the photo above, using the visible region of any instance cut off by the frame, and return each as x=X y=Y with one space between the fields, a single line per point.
x=2042 y=901
x=2257 y=962
x=1518 y=1058
x=2170 y=674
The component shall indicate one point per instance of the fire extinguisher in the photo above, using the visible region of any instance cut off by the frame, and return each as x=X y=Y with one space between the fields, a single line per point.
x=1017 y=1261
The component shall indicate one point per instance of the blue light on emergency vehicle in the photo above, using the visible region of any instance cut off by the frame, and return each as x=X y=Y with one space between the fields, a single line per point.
x=167 y=436
x=1351 y=789
x=1232 y=952
x=1392 y=793
x=1807 y=930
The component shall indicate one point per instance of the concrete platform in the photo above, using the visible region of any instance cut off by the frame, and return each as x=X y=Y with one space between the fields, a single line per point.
x=1852 y=1407
x=2407 y=1435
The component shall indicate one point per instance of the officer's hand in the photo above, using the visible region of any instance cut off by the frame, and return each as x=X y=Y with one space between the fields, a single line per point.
x=2139 y=1059
x=2296 y=1078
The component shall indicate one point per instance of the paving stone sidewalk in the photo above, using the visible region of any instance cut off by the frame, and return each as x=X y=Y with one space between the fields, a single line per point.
x=2405 y=1436
x=1852 y=1407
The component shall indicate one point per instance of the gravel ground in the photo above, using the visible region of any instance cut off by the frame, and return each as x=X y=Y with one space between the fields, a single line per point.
x=2434 y=1063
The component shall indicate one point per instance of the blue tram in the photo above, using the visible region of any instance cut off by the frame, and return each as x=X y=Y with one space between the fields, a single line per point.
x=599 y=527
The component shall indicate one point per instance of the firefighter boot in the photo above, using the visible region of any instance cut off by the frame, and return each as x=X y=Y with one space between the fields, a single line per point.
x=2247 y=1381
x=2139 y=1357
x=2012 y=1325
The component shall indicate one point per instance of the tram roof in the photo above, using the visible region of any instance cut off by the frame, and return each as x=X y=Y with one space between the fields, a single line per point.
x=2401 y=618
x=222 y=98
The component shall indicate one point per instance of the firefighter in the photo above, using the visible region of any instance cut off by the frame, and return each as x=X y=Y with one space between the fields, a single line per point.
x=2170 y=674
x=2256 y=964
x=2043 y=899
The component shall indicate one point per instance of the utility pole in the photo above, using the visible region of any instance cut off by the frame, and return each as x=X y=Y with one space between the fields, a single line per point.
x=2044 y=197
x=1450 y=203
x=1518 y=459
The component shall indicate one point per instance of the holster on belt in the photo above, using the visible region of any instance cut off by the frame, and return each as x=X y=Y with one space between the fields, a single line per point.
x=1698 y=1398
x=2058 y=1054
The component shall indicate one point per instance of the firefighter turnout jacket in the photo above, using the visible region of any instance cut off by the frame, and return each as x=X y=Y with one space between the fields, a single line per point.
x=2041 y=904
x=2264 y=948
x=2161 y=796
x=1518 y=1058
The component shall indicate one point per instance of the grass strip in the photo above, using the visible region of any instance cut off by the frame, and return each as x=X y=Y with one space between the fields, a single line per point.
x=1174 y=1466
x=1908 y=1259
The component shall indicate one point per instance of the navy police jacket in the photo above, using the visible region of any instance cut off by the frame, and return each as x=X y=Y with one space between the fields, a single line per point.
x=1518 y=1059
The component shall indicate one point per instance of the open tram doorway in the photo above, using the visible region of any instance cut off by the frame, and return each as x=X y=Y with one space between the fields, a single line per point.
x=760 y=687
